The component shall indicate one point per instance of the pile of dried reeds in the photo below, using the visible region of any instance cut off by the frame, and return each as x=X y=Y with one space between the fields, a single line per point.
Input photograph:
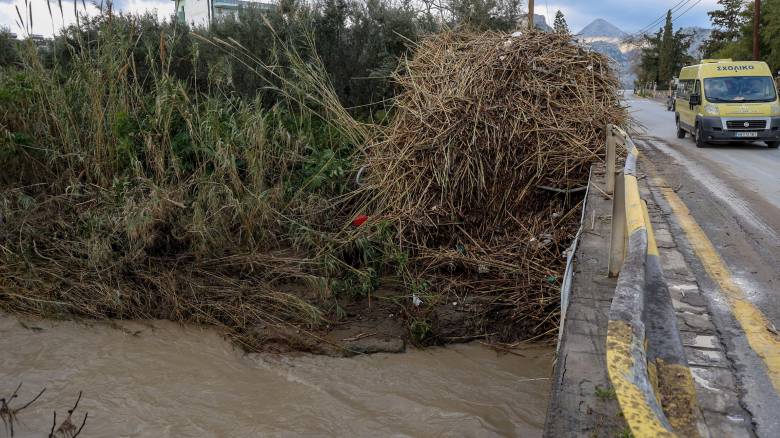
x=491 y=132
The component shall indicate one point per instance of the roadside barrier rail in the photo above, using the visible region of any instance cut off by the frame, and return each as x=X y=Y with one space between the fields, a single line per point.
x=645 y=358
x=568 y=276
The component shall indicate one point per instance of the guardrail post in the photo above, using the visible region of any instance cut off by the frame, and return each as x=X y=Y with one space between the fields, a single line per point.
x=611 y=158
x=617 y=245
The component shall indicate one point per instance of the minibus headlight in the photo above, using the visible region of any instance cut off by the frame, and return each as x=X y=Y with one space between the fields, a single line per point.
x=774 y=108
x=711 y=110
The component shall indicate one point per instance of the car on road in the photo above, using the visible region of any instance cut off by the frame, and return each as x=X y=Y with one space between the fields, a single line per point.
x=722 y=101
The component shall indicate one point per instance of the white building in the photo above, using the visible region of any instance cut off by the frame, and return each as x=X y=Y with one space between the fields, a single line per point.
x=201 y=13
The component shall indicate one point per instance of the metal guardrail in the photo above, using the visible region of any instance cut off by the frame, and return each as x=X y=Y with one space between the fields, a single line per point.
x=643 y=344
x=568 y=276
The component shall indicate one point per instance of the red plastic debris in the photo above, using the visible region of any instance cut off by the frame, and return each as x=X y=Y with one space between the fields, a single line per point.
x=360 y=220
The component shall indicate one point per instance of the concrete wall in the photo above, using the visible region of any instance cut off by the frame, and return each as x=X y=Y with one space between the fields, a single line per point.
x=200 y=13
x=196 y=12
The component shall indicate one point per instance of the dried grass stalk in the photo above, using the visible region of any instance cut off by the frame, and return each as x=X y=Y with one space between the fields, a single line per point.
x=481 y=122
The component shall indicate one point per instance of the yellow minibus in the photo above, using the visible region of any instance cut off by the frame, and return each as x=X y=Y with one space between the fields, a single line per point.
x=720 y=101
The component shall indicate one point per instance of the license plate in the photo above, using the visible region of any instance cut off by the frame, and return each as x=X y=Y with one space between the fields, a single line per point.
x=746 y=134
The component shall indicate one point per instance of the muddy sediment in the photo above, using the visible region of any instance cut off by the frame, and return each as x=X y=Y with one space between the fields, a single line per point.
x=165 y=380
x=385 y=323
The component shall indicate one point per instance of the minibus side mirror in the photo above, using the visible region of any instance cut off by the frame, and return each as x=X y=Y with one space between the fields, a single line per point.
x=695 y=99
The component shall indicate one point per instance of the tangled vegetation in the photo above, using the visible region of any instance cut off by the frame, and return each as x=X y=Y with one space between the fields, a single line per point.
x=128 y=195
x=142 y=180
x=492 y=136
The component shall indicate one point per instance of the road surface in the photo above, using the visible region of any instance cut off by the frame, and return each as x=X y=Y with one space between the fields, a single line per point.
x=725 y=202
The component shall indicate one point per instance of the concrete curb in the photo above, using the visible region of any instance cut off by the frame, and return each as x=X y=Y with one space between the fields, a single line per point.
x=569 y=273
x=645 y=357
x=582 y=404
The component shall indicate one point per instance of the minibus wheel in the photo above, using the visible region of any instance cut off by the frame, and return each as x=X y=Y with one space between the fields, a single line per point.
x=699 y=137
x=680 y=132
x=773 y=144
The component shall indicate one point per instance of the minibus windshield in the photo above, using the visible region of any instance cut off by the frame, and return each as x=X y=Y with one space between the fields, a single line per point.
x=740 y=89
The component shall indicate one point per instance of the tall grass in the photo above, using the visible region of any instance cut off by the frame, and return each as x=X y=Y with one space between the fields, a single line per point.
x=128 y=195
x=141 y=182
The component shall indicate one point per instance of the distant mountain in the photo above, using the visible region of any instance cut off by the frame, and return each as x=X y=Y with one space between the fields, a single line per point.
x=611 y=50
x=608 y=39
x=623 y=48
x=601 y=28
x=700 y=35
x=539 y=22
x=604 y=31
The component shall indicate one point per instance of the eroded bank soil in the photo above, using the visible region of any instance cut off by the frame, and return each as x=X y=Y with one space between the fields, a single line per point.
x=389 y=321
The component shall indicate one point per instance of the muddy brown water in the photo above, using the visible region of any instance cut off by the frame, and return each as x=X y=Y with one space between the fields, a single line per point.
x=163 y=380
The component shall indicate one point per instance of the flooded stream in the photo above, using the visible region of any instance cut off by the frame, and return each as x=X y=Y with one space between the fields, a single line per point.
x=163 y=380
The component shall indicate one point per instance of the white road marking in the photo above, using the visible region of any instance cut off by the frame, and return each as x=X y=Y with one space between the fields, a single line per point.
x=716 y=187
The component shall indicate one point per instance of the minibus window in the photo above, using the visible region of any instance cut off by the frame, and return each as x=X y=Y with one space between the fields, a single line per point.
x=740 y=89
x=684 y=89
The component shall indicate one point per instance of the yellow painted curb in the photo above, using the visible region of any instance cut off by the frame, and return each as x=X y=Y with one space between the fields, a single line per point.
x=643 y=420
x=657 y=399
x=652 y=246
x=634 y=216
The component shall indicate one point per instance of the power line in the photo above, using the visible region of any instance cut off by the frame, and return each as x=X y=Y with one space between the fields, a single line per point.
x=658 y=20
x=675 y=18
x=757 y=31
x=684 y=12
x=680 y=4
x=547 y=6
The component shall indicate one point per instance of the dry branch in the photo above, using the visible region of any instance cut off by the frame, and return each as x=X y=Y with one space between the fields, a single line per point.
x=492 y=136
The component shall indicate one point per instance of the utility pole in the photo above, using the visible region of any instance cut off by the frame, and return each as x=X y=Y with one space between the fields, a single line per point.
x=531 y=14
x=757 y=31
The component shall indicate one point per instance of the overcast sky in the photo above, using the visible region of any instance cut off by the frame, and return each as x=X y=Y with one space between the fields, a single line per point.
x=629 y=15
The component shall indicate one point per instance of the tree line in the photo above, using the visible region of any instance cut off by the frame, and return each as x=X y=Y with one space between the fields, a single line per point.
x=732 y=34
x=359 y=42
x=663 y=54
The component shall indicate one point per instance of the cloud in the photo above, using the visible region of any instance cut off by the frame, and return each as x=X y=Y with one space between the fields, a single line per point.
x=629 y=15
x=139 y=6
x=42 y=22
x=47 y=25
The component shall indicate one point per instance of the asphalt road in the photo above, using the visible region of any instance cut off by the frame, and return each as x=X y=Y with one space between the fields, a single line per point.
x=757 y=167
x=733 y=194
